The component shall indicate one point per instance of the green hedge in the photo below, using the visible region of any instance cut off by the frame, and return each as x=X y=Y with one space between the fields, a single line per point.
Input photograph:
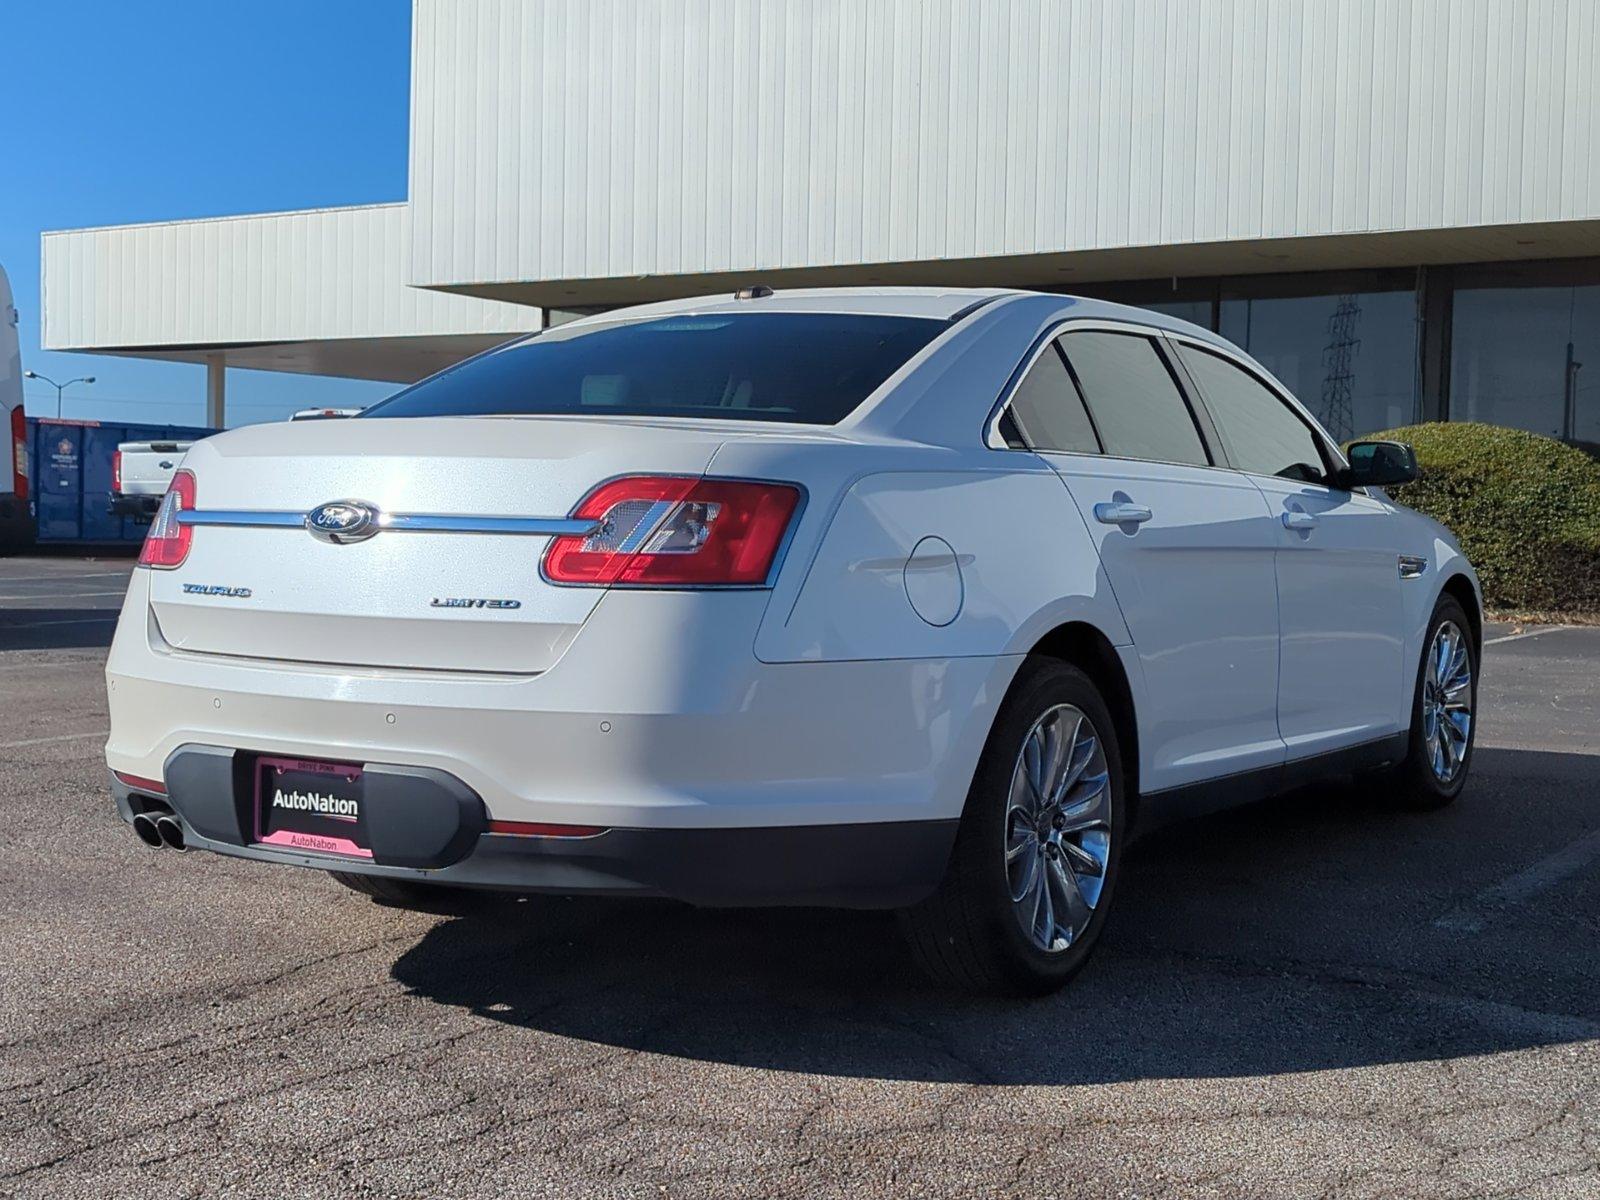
x=1525 y=508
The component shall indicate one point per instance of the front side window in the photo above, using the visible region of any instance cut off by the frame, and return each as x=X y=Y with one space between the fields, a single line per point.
x=811 y=368
x=1049 y=411
x=1135 y=401
x=1262 y=434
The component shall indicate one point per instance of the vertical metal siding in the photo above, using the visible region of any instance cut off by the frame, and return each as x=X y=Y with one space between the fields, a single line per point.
x=601 y=138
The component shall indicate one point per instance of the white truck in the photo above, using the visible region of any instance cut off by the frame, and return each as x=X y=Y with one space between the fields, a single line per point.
x=16 y=522
x=140 y=473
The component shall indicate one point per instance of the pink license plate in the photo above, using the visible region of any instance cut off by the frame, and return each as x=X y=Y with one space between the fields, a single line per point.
x=304 y=804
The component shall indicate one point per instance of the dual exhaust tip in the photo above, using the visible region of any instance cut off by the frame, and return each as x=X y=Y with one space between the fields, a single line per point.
x=157 y=829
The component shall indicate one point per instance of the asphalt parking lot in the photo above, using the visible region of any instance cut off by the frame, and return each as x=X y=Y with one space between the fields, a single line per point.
x=1314 y=998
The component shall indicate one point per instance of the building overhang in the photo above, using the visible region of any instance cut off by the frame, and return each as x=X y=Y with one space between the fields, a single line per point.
x=380 y=359
x=318 y=292
x=1061 y=271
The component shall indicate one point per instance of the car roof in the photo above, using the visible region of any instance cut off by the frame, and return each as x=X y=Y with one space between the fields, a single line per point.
x=930 y=302
x=935 y=303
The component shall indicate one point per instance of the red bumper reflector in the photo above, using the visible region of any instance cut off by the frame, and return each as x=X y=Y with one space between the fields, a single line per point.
x=541 y=829
x=140 y=784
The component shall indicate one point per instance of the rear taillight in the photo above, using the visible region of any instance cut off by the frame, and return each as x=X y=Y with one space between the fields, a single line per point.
x=667 y=531
x=167 y=543
x=19 y=453
x=116 y=471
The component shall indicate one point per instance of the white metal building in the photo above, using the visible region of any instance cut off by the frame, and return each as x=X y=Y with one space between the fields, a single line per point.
x=1395 y=204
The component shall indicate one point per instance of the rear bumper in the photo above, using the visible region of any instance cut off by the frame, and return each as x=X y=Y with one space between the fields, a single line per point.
x=658 y=716
x=879 y=865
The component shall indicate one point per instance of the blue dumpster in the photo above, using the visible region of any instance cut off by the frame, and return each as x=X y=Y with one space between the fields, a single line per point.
x=70 y=467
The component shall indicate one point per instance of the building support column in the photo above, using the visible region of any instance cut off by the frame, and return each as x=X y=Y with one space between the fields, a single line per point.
x=1435 y=303
x=216 y=391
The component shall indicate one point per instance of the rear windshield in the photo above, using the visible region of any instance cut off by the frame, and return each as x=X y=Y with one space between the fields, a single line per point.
x=812 y=368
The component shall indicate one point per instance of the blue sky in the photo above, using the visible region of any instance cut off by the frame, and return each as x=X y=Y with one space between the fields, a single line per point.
x=117 y=112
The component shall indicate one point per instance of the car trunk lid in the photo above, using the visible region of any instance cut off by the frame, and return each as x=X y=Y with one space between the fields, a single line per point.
x=449 y=596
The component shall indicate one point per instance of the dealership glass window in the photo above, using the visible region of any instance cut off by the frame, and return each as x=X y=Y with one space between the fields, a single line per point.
x=1528 y=357
x=1349 y=356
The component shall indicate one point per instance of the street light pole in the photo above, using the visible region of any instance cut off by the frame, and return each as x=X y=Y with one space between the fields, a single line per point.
x=59 y=387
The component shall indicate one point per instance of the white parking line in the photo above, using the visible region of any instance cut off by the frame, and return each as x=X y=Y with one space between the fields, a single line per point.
x=62 y=737
x=1528 y=633
x=1566 y=862
x=97 y=660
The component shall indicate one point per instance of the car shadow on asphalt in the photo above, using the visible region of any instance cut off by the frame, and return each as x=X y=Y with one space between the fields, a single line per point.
x=1322 y=930
x=56 y=628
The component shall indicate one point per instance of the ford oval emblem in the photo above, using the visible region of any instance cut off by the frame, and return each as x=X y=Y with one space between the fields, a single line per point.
x=344 y=521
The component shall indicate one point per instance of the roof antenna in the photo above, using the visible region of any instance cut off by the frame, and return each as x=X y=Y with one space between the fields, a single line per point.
x=756 y=291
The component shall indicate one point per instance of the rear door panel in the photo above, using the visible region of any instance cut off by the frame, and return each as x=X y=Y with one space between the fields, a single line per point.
x=1197 y=588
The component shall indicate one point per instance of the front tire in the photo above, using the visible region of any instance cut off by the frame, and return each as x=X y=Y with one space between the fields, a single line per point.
x=1036 y=855
x=1443 y=715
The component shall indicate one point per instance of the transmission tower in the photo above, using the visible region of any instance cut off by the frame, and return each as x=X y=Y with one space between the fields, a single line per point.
x=1338 y=408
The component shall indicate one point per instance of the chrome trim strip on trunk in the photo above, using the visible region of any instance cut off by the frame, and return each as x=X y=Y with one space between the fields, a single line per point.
x=400 y=522
x=432 y=523
x=227 y=516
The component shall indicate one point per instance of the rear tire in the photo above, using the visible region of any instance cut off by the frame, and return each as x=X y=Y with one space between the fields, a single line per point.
x=1032 y=874
x=404 y=893
x=1439 y=755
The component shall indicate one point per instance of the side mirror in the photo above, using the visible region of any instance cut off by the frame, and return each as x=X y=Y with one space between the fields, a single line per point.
x=1379 y=464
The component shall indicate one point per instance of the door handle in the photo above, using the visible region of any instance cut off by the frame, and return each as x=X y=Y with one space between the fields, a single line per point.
x=1120 y=512
x=1301 y=521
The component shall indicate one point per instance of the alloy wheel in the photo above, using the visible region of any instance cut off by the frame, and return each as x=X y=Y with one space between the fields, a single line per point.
x=1447 y=702
x=1058 y=828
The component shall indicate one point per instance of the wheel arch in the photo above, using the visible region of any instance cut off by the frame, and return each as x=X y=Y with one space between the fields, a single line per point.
x=1460 y=588
x=1092 y=652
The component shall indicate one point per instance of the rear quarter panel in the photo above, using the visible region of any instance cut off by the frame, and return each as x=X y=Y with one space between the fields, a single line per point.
x=1001 y=558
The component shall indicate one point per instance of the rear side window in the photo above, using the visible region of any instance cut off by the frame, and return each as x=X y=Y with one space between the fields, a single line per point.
x=812 y=368
x=1263 y=435
x=1049 y=411
x=1133 y=398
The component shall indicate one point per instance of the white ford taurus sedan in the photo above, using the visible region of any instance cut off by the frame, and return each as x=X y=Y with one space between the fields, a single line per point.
x=908 y=598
